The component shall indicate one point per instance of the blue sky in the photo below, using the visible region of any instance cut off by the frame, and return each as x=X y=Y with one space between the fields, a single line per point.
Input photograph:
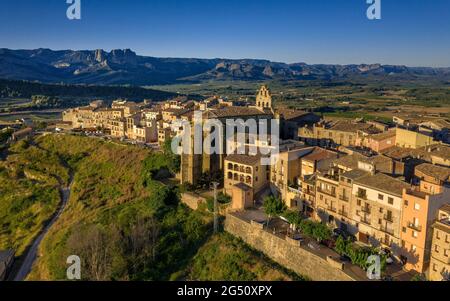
x=411 y=32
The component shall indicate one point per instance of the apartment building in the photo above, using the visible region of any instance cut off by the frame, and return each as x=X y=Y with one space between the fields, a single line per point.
x=286 y=171
x=421 y=204
x=301 y=190
x=327 y=202
x=377 y=209
x=343 y=218
x=440 y=248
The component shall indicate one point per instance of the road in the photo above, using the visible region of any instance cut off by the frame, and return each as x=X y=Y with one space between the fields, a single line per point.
x=31 y=255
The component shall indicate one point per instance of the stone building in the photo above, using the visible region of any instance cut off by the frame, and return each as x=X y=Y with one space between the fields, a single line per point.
x=339 y=133
x=264 y=98
x=245 y=169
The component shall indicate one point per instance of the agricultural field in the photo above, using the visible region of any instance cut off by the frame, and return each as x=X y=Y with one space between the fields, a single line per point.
x=345 y=99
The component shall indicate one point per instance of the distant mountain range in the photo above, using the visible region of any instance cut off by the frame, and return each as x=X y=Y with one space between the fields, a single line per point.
x=126 y=67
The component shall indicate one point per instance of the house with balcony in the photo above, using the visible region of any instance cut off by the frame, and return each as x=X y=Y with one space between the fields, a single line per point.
x=327 y=201
x=377 y=209
x=244 y=170
x=421 y=204
x=440 y=248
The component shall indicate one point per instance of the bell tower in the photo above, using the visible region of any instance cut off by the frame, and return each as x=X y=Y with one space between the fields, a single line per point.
x=264 y=98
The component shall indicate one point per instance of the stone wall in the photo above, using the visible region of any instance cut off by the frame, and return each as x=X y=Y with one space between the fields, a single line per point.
x=192 y=200
x=286 y=252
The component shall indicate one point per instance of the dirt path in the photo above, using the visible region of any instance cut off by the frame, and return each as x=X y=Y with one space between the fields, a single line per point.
x=31 y=254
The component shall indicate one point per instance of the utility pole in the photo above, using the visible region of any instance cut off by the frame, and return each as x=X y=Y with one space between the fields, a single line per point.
x=216 y=213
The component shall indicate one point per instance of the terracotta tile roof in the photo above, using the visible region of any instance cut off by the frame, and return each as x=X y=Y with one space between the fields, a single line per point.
x=229 y=112
x=383 y=136
x=320 y=154
x=292 y=114
x=350 y=161
x=243 y=159
x=376 y=159
x=438 y=172
x=384 y=183
x=353 y=127
x=355 y=174
x=398 y=153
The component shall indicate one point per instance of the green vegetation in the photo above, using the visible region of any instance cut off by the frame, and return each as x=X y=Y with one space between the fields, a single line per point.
x=419 y=278
x=225 y=257
x=358 y=255
x=30 y=178
x=5 y=135
x=122 y=222
x=359 y=98
x=316 y=230
x=274 y=206
x=45 y=102
x=222 y=199
x=24 y=89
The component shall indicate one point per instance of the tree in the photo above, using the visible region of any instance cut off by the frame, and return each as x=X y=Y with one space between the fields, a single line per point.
x=174 y=160
x=143 y=241
x=419 y=278
x=5 y=135
x=274 y=206
x=94 y=248
x=341 y=246
x=321 y=232
x=294 y=218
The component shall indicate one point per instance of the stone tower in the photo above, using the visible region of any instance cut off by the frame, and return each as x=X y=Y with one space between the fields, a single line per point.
x=264 y=98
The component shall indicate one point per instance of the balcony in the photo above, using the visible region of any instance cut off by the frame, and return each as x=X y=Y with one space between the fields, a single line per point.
x=362 y=196
x=295 y=190
x=344 y=198
x=327 y=192
x=388 y=230
x=365 y=220
x=366 y=210
x=388 y=218
x=343 y=213
x=415 y=227
x=332 y=209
